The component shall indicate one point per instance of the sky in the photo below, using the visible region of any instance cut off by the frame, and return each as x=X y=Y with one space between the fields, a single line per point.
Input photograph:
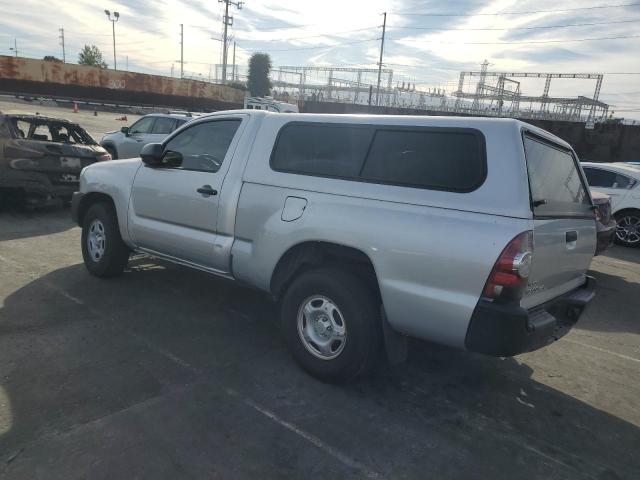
x=427 y=42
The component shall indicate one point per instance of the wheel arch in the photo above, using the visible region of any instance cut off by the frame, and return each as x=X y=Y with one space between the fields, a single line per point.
x=312 y=254
x=626 y=210
x=92 y=198
x=110 y=145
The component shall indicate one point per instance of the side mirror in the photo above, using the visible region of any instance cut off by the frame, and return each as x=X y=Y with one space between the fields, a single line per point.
x=151 y=154
x=125 y=130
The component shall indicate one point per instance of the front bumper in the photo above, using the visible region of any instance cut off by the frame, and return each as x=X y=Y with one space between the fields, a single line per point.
x=507 y=330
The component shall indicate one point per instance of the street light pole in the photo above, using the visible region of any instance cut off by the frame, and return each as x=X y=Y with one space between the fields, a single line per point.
x=384 y=29
x=113 y=21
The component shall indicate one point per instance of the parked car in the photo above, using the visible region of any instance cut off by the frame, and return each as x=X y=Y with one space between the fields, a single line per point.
x=269 y=104
x=41 y=158
x=472 y=232
x=152 y=128
x=620 y=181
x=605 y=223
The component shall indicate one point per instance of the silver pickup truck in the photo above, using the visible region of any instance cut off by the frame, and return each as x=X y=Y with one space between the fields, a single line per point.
x=474 y=233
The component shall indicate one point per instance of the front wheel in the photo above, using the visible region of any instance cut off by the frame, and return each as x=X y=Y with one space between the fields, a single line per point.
x=331 y=323
x=628 y=229
x=103 y=251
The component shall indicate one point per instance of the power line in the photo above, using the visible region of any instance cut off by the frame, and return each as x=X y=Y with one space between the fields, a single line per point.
x=513 y=13
x=516 y=28
x=311 y=48
x=534 y=41
x=333 y=34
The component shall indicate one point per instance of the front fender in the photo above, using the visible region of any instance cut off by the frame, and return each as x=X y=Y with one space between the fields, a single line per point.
x=114 y=179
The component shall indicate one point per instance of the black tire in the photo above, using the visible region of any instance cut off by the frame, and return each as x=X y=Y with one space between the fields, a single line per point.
x=115 y=254
x=358 y=307
x=622 y=236
x=112 y=151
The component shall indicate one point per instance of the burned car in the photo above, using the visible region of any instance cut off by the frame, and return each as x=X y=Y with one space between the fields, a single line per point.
x=41 y=158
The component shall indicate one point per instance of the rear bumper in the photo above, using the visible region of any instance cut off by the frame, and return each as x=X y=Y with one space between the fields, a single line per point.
x=606 y=235
x=506 y=330
x=39 y=187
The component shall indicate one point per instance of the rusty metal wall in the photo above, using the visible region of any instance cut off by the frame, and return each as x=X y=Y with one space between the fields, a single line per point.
x=24 y=75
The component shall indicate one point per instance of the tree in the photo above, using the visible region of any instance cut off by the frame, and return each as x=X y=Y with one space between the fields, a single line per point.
x=91 y=55
x=258 y=82
x=51 y=58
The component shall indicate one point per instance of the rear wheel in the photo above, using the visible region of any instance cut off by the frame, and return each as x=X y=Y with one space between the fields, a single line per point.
x=628 y=229
x=331 y=323
x=103 y=251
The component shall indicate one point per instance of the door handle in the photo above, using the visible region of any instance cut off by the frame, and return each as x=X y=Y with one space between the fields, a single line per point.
x=207 y=190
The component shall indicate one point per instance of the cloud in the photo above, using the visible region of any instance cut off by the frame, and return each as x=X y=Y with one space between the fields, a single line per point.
x=426 y=49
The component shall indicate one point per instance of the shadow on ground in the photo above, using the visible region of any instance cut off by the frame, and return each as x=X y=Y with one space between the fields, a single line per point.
x=20 y=222
x=166 y=372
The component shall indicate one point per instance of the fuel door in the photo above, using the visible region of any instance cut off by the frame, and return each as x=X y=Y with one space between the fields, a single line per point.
x=293 y=208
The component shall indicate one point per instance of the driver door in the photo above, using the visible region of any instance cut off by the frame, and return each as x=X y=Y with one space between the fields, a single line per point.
x=174 y=208
x=136 y=139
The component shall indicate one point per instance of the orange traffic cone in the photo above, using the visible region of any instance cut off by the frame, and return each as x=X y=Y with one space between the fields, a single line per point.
x=75 y=107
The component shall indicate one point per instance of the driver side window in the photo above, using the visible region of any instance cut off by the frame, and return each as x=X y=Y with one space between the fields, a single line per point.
x=204 y=146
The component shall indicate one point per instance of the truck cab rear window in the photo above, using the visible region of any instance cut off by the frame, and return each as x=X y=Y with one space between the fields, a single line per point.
x=556 y=186
x=432 y=158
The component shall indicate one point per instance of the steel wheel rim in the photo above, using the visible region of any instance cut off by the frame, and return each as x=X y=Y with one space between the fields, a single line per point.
x=628 y=229
x=321 y=327
x=96 y=239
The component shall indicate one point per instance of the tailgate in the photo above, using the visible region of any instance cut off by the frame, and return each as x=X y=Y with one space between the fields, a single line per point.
x=564 y=228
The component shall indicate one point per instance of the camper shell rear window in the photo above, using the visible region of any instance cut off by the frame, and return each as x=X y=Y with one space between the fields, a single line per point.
x=556 y=185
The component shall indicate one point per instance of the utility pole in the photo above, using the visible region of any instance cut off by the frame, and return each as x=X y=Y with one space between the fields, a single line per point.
x=181 y=50
x=127 y=67
x=384 y=29
x=233 y=74
x=227 y=21
x=64 y=56
x=116 y=17
x=15 y=47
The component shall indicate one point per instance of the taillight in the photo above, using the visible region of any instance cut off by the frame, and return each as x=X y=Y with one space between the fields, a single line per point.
x=510 y=274
x=104 y=157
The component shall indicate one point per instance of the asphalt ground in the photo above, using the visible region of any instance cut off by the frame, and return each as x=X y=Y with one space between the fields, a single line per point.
x=167 y=372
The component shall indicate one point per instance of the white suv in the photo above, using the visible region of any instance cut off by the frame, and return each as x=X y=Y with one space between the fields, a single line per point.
x=152 y=128
x=620 y=181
